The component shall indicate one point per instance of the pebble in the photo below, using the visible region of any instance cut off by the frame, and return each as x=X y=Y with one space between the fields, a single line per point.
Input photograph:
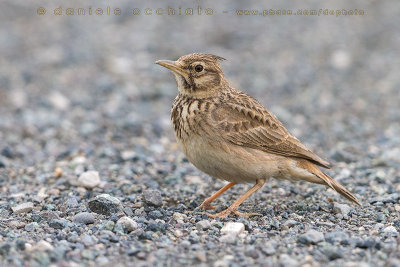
x=105 y=204
x=84 y=218
x=228 y=238
x=390 y=229
x=72 y=202
x=43 y=246
x=58 y=224
x=88 y=240
x=333 y=253
x=179 y=216
x=152 y=198
x=311 y=237
x=391 y=198
x=269 y=248
x=290 y=223
x=343 y=209
x=128 y=223
x=31 y=227
x=89 y=179
x=234 y=228
x=23 y=208
x=203 y=225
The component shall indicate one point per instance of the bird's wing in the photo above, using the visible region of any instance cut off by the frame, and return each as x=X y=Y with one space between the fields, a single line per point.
x=244 y=121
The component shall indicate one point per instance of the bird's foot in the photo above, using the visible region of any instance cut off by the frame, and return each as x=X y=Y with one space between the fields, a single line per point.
x=228 y=211
x=206 y=206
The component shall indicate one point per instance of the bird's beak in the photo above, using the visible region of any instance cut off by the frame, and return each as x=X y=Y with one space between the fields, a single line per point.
x=169 y=64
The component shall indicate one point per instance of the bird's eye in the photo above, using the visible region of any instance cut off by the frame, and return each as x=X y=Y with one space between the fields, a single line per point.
x=198 y=68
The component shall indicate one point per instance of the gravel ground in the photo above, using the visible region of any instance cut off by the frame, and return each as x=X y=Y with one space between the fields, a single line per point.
x=90 y=173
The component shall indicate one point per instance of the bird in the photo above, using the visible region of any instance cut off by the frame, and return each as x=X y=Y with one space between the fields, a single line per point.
x=229 y=135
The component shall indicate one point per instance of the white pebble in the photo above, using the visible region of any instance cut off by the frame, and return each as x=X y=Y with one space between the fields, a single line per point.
x=234 y=228
x=44 y=246
x=390 y=229
x=128 y=223
x=89 y=179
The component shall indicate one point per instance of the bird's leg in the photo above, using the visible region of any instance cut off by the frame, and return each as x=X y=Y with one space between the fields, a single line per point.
x=206 y=205
x=236 y=204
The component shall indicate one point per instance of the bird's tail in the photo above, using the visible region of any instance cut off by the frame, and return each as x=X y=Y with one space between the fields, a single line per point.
x=322 y=178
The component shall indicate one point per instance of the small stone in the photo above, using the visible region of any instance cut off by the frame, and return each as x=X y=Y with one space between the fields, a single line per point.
x=105 y=204
x=128 y=155
x=7 y=152
x=179 y=216
x=365 y=243
x=229 y=238
x=72 y=202
x=391 y=198
x=20 y=244
x=88 y=240
x=390 y=229
x=200 y=255
x=311 y=237
x=288 y=261
x=290 y=223
x=203 y=225
x=341 y=208
x=16 y=224
x=3 y=163
x=269 y=248
x=233 y=228
x=23 y=208
x=5 y=249
x=155 y=214
x=58 y=172
x=109 y=225
x=381 y=218
x=44 y=246
x=84 y=218
x=58 y=224
x=128 y=223
x=341 y=59
x=89 y=179
x=333 y=253
x=252 y=252
x=152 y=198
x=31 y=227
x=59 y=101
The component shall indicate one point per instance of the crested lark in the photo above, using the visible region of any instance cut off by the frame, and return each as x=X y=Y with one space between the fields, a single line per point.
x=229 y=135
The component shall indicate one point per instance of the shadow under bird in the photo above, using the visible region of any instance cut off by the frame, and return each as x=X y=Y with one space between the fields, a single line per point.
x=229 y=135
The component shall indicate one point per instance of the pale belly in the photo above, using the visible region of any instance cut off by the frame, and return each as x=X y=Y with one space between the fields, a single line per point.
x=235 y=163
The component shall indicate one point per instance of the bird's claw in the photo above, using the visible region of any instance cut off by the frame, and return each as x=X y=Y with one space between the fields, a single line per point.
x=225 y=213
x=206 y=206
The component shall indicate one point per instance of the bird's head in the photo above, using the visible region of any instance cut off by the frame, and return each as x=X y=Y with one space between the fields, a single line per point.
x=198 y=75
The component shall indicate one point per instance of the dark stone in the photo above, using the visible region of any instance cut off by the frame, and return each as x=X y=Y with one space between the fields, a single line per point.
x=333 y=253
x=152 y=198
x=7 y=152
x=5 y=249
x=337 y=237
x=20 y=244
x=105 y=204
x=157 y=227
x=155 y=214
x=57 y=224
x=392 y=198
x=311 y=237
x=84 y=218
x=366 y=243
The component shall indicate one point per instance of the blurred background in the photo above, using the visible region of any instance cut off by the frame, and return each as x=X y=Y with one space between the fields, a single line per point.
x=65 y=79
x=82 y=92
